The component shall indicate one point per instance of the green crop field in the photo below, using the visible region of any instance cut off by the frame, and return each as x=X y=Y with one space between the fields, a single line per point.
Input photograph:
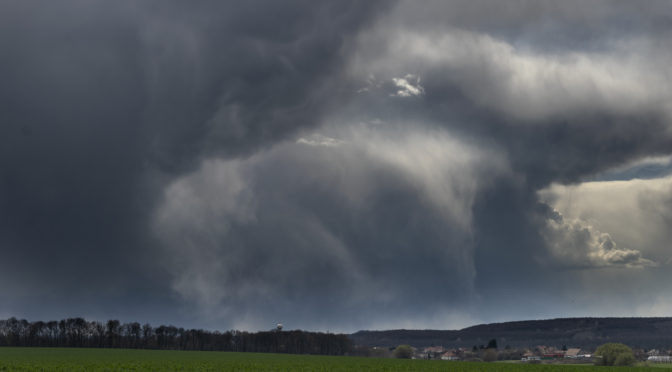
x=50 y=359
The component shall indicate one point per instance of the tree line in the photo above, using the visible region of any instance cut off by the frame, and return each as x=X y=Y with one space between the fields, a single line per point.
x=78 y=332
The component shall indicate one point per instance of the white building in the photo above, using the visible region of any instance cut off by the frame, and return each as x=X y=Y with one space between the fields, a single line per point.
x=659 y=359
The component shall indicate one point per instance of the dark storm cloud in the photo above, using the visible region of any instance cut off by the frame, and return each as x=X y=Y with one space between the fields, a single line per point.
x=559 y=106
x=70 y=139
x=102 y=101
x=246 y=74
x=335 y=165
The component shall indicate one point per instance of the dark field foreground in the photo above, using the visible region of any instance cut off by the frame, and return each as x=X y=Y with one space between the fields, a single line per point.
x=64 y=359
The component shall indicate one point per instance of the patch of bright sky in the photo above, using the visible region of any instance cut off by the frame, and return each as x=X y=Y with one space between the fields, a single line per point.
x=647 y=168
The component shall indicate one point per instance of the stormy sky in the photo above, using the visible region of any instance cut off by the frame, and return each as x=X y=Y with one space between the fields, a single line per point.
x=335 y=165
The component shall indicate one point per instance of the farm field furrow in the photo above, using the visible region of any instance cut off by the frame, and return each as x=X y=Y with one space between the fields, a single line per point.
x=109 y=360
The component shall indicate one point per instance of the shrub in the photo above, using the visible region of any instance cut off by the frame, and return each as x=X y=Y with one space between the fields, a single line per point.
x=403 y=352
x=624 y=359
x=613 y=353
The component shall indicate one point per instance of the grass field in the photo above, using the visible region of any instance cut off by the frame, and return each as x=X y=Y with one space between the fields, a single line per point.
x=49 y=359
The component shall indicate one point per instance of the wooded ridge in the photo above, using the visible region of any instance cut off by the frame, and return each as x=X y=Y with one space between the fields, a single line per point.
x=645 y=333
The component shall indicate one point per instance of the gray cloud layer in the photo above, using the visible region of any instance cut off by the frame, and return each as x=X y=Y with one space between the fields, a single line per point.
x=333 y=165
x=346 y=230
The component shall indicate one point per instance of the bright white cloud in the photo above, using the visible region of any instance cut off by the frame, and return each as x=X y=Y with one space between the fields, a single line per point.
x=408 y=86
x=319 y=140
x=635 y=213
x=576 y=244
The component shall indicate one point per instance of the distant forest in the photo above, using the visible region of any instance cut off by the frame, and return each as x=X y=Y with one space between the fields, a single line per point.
x=78 y=332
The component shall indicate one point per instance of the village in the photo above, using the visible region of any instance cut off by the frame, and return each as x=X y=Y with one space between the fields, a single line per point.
x=537 y=354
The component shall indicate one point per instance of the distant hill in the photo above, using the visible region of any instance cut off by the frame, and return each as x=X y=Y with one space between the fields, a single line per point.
x=587 y=333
